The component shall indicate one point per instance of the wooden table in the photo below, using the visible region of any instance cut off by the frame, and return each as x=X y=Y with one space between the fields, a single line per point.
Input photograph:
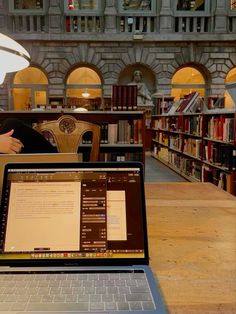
x=192 y=246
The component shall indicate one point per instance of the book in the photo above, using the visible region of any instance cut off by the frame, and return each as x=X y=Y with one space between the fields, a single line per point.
x=187 y=102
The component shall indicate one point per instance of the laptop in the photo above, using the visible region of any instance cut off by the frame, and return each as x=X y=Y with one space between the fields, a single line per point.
x=73 y=239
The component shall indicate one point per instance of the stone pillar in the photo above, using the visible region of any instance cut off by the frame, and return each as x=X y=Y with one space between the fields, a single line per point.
x=110 y=13
x=3 y=14
x=221 y=17
x=54 y=16
x=166 y=17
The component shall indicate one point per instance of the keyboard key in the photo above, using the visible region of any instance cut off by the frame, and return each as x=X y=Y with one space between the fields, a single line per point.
x=135 y=306
x=81 y=306
x=138 y=297
x=123 y=306
x=96 y=306
x=148 y=305
x=110 y=306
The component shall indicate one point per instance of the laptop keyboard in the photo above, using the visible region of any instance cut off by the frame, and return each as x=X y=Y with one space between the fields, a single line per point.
x=85 y=292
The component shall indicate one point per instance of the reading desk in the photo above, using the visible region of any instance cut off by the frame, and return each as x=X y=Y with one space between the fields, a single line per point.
x=192 y=246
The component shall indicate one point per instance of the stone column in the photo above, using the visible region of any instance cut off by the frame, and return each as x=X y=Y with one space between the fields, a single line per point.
x=166 y=17
x=221 y=16
x=3 y=14
x=54 y=16
x=110 y=13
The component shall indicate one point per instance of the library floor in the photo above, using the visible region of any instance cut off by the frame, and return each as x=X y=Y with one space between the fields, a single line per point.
x=155 y=171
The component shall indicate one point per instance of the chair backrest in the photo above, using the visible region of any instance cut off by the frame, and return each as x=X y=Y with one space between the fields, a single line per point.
x=67 y=132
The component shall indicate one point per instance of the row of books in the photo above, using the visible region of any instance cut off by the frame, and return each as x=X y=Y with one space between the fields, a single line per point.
x=122 y=132
x=193 y=125
x=124 y=97
x=190 y=103
x=221 y=128
x=162 y=138
x=190 y=146
x=218 y=127
x=161 y=152
x=119 y=156
x=220 y=155
x=173 y=123
x=187 y=102
x=184 y=165
x=193 y=147
x=224 y=180
x=187 y=166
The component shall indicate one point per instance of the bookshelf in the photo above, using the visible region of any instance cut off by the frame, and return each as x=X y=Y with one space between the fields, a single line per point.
x=162 y=104
x=122 y=132
x=55 y=102
x=198 y=146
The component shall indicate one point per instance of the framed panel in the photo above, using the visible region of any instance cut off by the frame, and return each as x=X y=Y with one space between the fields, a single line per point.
x=233 y=5
x=191 y=7
x=137 y=6
x=24 y=6
x=83 y=6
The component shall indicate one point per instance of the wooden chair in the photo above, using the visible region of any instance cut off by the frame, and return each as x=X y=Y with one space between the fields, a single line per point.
x=67 y=133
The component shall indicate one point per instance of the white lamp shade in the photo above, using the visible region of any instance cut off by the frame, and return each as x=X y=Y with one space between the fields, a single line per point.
x=85 y=94
x=2 y=76
x=13 y=57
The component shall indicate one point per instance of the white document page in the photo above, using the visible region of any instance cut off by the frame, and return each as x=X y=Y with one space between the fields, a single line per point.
x=116 y=216
x=43 y=215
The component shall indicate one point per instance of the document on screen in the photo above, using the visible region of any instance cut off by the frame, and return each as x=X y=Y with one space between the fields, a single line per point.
x=43 y=216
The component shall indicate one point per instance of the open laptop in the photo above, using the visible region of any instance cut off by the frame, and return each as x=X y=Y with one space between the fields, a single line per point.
x=73 y=239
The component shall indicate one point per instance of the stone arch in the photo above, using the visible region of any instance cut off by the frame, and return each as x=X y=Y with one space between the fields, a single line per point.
x=189 y=77
x=199 y=67
x=230 y=94
x=29 y=88
x=83 y=87
x=148 y=75
x=85 y=65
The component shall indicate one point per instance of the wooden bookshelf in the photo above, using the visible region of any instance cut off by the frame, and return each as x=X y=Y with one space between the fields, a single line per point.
x=200 y=147
x=128 y=142
x=56 y=102
x=162 y=104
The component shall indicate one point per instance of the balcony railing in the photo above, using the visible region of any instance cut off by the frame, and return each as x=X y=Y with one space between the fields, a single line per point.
x=84 y=24
x=29 y=23
x=232 y=24
x=193 y=24
x=124 y=24
x=144 y=24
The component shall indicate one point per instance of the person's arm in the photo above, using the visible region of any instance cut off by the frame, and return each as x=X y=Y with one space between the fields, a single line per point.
x=9 y=144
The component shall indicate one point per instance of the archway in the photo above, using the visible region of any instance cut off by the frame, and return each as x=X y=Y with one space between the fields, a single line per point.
x=230 y=78
x=84 y=88
x=186 y=80
x=29 y=89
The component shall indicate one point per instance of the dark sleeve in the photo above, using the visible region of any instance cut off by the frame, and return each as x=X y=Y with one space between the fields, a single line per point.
x=32 y=140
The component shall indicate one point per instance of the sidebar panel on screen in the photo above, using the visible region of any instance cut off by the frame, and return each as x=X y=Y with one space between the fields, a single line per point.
x=93 y=216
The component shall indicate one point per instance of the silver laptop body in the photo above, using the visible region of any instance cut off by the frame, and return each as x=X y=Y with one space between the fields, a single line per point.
x=73 y=239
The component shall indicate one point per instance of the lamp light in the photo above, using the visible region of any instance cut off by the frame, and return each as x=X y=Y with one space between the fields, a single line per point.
x=13 y=57
x=85 y=94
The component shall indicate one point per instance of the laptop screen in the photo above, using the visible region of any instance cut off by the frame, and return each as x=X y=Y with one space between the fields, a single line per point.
x=73 y=213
